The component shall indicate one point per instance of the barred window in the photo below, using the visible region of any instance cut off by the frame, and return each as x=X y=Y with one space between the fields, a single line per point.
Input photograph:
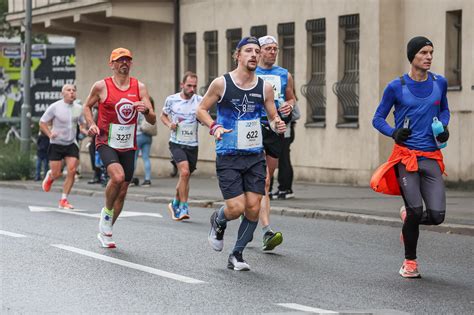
x=189 y=41
x=233 y=37
x=211 y=61
x=258 y=31
x=286 y=34
x=315 y=89
x=347 y=88
x=453 y=49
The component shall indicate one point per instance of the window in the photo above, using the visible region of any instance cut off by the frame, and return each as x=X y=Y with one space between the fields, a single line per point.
x=315 y=89
x=286 y=34
x=347 y=88
x=258 y=31
x=453 y=49
x=211 y=62
x=189 y=40
x=233 y=37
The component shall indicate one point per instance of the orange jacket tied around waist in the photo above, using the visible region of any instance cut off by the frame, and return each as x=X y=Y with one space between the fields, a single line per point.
x=384 y=179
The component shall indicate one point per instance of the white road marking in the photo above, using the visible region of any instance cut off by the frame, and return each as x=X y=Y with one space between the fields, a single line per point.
x=11 y=234
x=304 y=308
x=130 y=265
x=79 y=212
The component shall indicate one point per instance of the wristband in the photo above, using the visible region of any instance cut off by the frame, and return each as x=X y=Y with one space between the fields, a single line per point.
x=214 y=127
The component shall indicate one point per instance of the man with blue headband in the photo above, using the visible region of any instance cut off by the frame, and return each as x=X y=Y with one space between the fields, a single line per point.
x=241 y=98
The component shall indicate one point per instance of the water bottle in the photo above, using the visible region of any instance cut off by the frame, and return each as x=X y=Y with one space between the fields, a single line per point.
x=438 y=128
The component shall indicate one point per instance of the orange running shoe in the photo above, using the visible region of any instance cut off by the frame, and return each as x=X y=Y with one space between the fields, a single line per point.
x=47 y=182
x=409 y=269
x=64 y=204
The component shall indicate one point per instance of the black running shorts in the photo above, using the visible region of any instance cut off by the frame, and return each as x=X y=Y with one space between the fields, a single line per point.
x=238 y=174
x=124 y=158
x=272 y=142
x=181 y=152
x=57 y=152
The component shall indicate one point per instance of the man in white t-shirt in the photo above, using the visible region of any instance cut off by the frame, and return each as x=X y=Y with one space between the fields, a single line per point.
x=179 y=115
x=64 y=116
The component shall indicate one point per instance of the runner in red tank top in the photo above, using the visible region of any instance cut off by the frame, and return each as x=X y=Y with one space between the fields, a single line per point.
x=120 y=98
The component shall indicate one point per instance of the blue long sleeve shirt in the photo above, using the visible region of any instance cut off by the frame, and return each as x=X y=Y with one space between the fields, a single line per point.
x=420 y=102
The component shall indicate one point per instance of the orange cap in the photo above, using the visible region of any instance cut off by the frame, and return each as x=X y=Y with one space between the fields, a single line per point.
x=119 y=52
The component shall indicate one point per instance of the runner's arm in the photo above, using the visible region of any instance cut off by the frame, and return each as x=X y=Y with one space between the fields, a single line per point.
x=148 y=110
x=276 y=123
x=290 y=98
x=164 y=117
x=92 y=99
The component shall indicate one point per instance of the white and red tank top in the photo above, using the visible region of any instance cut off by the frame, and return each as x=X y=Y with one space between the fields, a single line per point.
x=117 y=119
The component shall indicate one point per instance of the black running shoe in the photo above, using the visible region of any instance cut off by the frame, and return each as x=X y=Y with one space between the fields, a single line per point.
x=216 y=234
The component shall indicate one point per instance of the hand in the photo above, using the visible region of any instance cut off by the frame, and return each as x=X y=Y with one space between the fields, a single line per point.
x=444 y=136
x=173 y=126
x=278 y=126
x=401 y=134
x=141 y=107
x=219 y=132
x=285 y=108
x=53 y=135
x=93 y=130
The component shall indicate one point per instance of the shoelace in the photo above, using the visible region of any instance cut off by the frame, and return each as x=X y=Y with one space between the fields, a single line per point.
x=411 y=266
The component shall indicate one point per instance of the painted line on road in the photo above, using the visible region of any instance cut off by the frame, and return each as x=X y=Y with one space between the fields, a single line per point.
x=305 y=308
x=124 y=263
x=11 y=234
x=124 y=214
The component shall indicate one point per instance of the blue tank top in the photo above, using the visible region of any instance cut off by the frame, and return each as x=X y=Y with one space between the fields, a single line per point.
x=240 y=110
x=278 y=78
x=420 y=111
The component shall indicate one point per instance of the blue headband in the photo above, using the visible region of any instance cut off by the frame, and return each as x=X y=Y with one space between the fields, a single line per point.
x=247 y=40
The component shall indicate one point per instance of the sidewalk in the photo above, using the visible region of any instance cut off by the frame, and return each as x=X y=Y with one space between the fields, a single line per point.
x=343 y=203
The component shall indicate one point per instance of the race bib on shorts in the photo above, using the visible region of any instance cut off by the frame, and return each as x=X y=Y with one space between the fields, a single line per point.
x=121 y=136
x=187 y=132
x=249 y=134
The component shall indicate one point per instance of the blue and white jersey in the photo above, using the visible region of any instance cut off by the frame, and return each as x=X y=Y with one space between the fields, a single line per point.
x=240 y=110
x=183 y=113
x=278 y=79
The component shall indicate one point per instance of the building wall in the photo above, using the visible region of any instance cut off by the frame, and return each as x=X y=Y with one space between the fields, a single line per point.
x=327 y=154
x=348 y=155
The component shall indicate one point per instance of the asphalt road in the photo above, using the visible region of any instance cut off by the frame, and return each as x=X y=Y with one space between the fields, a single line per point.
x=51 y=262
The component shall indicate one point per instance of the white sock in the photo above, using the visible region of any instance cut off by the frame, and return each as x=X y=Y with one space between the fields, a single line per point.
x=64 y=196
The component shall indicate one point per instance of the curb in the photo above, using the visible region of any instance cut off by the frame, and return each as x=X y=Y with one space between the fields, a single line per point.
x=283 y=211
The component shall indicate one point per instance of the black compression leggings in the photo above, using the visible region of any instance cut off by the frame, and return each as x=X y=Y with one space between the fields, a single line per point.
x=426 y=185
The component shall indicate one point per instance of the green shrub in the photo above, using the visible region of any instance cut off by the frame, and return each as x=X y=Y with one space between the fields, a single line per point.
x=13 y=163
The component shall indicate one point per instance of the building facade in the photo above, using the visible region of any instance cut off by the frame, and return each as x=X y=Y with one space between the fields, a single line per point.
x=342 y=53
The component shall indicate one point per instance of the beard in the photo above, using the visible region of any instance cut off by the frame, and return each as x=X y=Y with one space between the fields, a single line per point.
x=188 y=94
x=251 y=67
x=124 y=70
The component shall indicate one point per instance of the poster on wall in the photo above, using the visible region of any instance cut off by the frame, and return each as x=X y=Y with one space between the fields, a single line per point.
x=52 y=66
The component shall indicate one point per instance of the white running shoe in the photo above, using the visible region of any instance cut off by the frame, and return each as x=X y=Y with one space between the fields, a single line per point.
x=236 y=262
x=106 y=241
x=105 y=223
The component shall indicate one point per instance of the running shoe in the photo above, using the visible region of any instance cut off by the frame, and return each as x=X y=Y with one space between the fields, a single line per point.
x=286 y=194
x=106 y=241
x=105 y=223
x=236 y=262
x=409 y=269
x=146 y=183
x=47 y=182
x=272 y=240
x=274 y=195
x=403 y=217
x=174 y=212
x=64 y=204
x=216 y=234
x=183 y=213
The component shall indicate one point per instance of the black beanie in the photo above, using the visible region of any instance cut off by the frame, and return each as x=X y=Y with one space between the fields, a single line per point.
x=415 y=44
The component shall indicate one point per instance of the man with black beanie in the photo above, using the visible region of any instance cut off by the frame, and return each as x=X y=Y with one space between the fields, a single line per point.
x=414 y=169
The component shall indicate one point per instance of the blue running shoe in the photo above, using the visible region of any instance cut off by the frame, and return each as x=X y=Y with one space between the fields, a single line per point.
x=174 y=212
x=183 y=213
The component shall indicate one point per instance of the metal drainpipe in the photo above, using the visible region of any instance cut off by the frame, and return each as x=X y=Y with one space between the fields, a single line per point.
x=177 y=37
